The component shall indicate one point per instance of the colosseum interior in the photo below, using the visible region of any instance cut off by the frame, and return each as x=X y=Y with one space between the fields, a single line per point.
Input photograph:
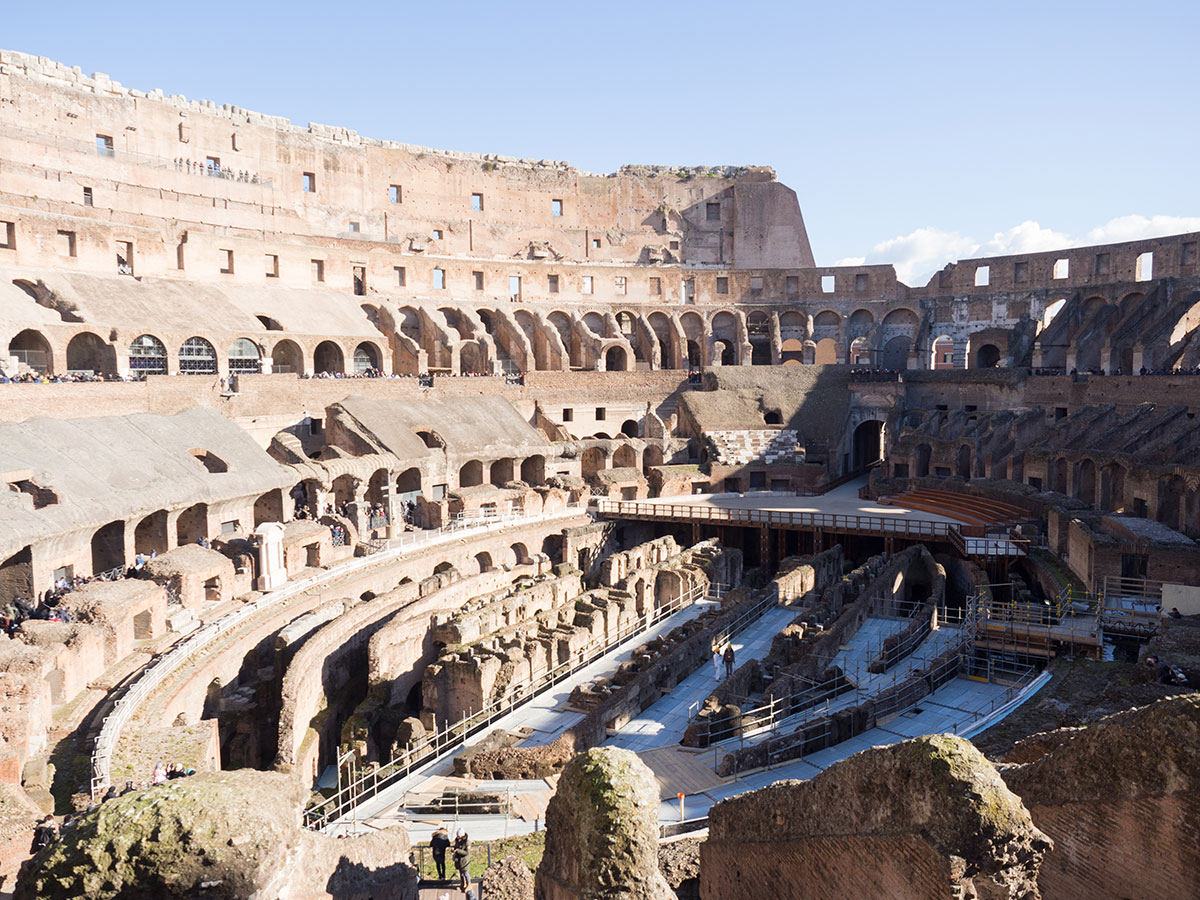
x=396 y=478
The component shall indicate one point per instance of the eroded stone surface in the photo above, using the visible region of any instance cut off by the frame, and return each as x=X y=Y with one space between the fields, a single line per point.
x=602 y=831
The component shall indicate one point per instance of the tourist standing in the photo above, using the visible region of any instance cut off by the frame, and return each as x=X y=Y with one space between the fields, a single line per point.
x=462 y=860
x=440 y=843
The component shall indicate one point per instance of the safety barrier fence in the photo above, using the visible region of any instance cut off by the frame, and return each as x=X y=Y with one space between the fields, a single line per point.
x=451 y=736
x=157 y=672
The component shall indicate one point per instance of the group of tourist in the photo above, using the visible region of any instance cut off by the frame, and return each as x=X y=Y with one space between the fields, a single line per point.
x=460 y=849
x=861 y=374
x=1166 y=673
x=22 y=609
x=68 y=378
x=215 y=170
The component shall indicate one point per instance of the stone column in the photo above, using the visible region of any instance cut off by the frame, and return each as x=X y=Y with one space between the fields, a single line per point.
x=272 y=572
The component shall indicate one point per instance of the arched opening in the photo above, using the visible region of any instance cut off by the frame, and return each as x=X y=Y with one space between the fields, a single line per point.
x=791 y=352
x=443 y=568
x=592 y=461
x=367 y=358
x=868 y=444
x=533 y=470
x=244 y=357
x=943 y=352
x=921 y=461
x=987 y=357
x=652 y=456
x=268 y=507
x=108 y=547
x=1085 y=482
x=471 y=473
x=827 y=324
x=501 y=471
x=484 y=562
x=723 y=352
x=432 y=440
x=1170 y=496
x=89 y=353
x=1058 y=475
x=825 y=352
x=287 y=358
x=268 y=323
x=150 y=535
x=625 y=457
x=860 y=352
x=408 y=483
x=343 y=490
x=328 y=358
x=772 y=417
x=377 y=487
x=520 y=553
x=32 y=350
x=629 y=428
x=693 y=355
x=1112 y=488
x=147 y=356
x=197 y=357
x=963 y=463
x=595 y=323
x=614 y=359
x=192 y=524
x=895 y=353
x=758 y=330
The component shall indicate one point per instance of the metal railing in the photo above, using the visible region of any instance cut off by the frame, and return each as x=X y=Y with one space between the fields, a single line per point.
x=453 y=735
x=815 y=701
x=831 y=521
x=157 y=672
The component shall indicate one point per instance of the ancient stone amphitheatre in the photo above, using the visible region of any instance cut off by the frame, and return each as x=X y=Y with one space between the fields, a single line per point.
x=386 y=487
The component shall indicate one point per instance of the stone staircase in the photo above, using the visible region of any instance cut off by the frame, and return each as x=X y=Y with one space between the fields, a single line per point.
x=739 y=448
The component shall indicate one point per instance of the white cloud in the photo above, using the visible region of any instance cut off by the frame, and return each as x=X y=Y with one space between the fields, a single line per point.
x=919 y=254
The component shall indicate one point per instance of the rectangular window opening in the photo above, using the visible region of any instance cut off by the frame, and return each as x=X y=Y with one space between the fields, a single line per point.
x=310 y=182
x=712 y=212
x=827 y=282
x=355 y=227
x=556 y=208
x=595 y=243
x=437 y=234
x=793 y=285
x=756 y=285
x=318 y=270
x=395 y=194
x=272 y=265
x=477 y=202
x=553 y=283
x=104 y=145
x=600 y=413
x=1062 y=268
x=1020 y=273
x=66 y=243
x=983 y=276
x=1102 y=264
x=1143 y=269
x=87 y=197
x=401 y=276
x=439 y=279
x=655 y=286
x=722 y=285
x=619 y=284
x=568 y=414
x=587 y=284
x=226 y=262
x=124 y=257
x=514 y=288
x=360 y=281
x=861 y=282
x=477 y=277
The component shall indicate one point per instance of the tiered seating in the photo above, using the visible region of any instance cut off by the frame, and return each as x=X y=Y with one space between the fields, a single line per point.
x=737 y=448
x=964 y=507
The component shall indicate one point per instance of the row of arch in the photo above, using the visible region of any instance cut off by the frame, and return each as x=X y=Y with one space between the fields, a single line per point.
x=148 y=355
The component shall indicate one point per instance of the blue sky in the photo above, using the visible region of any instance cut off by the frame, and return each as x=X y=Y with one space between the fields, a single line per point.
x=912 y=133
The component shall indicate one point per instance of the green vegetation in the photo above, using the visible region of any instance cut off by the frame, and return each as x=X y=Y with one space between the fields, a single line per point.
x=528 y=847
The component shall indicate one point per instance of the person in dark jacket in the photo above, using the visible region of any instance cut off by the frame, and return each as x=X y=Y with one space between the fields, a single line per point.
x=729 y=660
x=440 y=843
x=462 y=860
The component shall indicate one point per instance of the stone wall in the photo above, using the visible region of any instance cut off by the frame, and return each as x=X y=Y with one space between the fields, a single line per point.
x=921 y=819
